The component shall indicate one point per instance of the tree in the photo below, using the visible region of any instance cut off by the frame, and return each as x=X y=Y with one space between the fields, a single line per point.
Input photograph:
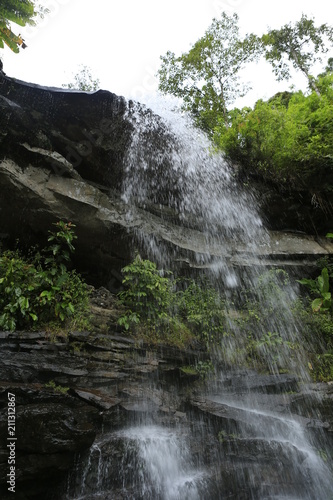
x=83 y=80
x=206 y=77
x=300 y=45
x=287 y=139
x=18 y=12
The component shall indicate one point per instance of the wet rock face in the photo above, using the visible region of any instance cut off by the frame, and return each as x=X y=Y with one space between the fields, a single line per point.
x=54 y=143
x=65 y=154
x=50 y=429
x=115 y=385
x=106 y=376
x=307 y=209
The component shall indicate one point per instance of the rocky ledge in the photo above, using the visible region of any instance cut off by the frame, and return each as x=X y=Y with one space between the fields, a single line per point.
x=82 y=389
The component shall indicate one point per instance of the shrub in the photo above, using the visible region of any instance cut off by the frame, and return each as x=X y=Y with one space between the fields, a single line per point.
x=152 y=299
x=148 y=293
x=40 y=289
x=203 y=309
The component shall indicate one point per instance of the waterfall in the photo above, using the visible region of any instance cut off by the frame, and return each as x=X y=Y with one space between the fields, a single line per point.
x=265 y=450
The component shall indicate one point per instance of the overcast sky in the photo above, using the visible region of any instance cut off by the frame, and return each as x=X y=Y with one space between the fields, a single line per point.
x=122 y=40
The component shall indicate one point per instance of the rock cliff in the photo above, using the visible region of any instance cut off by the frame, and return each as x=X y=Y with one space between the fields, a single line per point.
x=63 y=155
x=91 y=386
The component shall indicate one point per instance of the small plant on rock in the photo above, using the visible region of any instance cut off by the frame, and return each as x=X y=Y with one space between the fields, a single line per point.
x=147 y=294
x=41 y=290
x=320 y=287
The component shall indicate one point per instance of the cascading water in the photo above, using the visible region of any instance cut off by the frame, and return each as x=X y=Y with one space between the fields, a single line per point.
x=194 y=196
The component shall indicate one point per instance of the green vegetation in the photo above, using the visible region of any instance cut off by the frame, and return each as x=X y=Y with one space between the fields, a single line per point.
x=148 y=294
x=261 y=333
x=83 y=80
x=287 y=140
x=40 y=290
x=207 y=77
x=20 y=13
x=201 y=306
x=321 y=286
x=57 y=388
x=300 y=45
x=174 y=311
x=202 y=369
x=320 y=321
x=223 y=436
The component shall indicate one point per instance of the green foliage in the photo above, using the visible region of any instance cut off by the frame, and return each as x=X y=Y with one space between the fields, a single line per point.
x=322 y=367
x=224 y=436
x=189 y=370
x=57 y=388
x=20 y=13
x=83 y=80
x=204 y=368
x=41 y=289
x=286 y=139
x=320 y=286
x=206 y=77
x=148 y=293
x=154 y=305
x=289 y=138
x=299 y=45
x=18 y=282
x=263 y=329
x=270 y=349
x=128 y=319
x=204 y=311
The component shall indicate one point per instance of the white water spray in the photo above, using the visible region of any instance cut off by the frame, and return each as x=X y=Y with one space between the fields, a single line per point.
x=172 y=173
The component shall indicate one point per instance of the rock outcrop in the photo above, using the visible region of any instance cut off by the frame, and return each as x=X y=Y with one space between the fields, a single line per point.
x=63 y=155
x=114 y=383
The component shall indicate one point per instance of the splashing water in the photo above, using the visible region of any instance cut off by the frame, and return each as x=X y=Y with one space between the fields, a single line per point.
x=165 y=463
x=189 y=190
x=171 y=164
x=154 y=464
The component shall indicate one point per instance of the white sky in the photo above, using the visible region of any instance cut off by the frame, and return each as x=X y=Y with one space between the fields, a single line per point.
x=122 y=40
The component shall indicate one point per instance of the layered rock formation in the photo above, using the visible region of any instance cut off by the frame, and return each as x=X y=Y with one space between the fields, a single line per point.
x=63 y=155
x=104 y=382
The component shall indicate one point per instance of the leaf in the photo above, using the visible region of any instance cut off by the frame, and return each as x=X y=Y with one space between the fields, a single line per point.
x=305 y=281
x=325 y=281
x=316 y=305
x=23 y=302
x=329 y=235
x=71 y=308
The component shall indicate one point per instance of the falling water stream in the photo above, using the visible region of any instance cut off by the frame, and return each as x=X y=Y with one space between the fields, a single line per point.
x=194 y=194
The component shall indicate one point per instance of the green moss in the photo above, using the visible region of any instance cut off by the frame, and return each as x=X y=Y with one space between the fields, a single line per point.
x=57 y=388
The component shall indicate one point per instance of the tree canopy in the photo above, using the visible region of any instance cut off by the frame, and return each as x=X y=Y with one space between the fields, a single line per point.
x=207 y=77
x=299 y=45
x=288 y=138
x=83 y=80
